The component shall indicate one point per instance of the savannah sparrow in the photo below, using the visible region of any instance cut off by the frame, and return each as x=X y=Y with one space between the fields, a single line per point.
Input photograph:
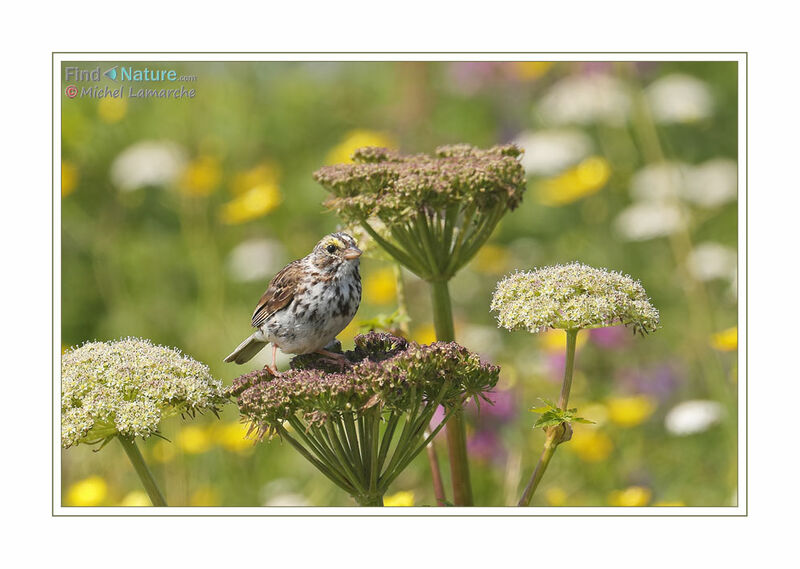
x=308 y=302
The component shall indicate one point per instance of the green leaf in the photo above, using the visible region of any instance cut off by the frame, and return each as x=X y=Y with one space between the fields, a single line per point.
x=383 y=322
x=552 y=415
x=582 y=420
x=550 y=422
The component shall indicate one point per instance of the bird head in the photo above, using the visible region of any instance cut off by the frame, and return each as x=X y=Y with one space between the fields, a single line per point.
x=334 y=251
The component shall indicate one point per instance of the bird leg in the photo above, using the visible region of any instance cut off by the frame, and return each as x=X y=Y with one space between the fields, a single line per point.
x=273 y=369
x=335 y=359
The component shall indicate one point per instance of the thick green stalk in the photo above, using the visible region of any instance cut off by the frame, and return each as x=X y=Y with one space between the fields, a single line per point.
x=370 y=500
x=533 y=483
x=374 y=434
x=442 y=311
x=140 y=466
x=554 y=436
x=569 y=366
x=455 y=430
x=402 y=305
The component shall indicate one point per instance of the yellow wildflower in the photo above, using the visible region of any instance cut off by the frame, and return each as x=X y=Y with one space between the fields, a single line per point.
x=630 y=411
x=726 y=341
x=204 y=496
x=528 y=70
x=137 y=498
x=231 y=436
x=87 y=492
x=112 y=109
x=424 y=334
x=591 y=445
x=492 y=260
x=380 y=287
x=201 y=176
x=555 y=341
x=163 y=451
x=355 y=139
x=596 y=412
x=263 y=173
x=556 y=496
x=254 y=203
x=402 y=498
x=350 y=331
x=509 y=377
x=194 y=440
x=69 y=178
x=585 y=179
x=630 y=497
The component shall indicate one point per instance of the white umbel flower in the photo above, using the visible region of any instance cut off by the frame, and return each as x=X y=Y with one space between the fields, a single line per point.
x=679 y=98
x=586 y=99
x=148 y=163
x=126 y=387
x=573 y=296
x=690 y=417
x=709 y=261
x=256 y=259
x=548 y=152
x=710 y=184
x=648 y=220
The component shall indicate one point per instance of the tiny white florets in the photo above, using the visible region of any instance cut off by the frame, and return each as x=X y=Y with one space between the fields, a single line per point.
x=126 y=387
x=572 y=296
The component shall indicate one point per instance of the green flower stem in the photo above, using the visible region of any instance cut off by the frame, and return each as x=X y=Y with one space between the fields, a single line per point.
x=436 y=473
x=373 y=435
x=442 y=311
x=390 y=475
x=140 y=466
x=402 y=304
x=342 y=456
x=341 y=482
x=391 y=425
x=554 y=436
x=394 y=251
x=572 y=338
x=325 y=455
x=459 y=468
x=370 y=500
x=455 y=431
x=533 y=483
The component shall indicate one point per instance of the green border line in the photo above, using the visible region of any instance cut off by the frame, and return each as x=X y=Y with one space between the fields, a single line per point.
x=741 y=65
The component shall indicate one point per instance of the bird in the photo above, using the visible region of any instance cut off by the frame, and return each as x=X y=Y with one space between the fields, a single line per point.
x=307 y=303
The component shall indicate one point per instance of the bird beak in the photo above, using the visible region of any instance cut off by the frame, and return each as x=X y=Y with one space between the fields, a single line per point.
x=352 y=253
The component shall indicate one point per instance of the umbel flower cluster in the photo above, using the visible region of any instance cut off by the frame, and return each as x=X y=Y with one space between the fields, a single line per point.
x=572 y=297
x=127 y=387
x=362 y=425
x=438 y=209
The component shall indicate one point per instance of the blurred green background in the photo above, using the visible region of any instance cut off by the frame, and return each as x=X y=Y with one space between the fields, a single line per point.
x=176 y=213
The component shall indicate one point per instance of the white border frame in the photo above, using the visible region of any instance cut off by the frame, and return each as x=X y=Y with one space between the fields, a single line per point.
x=739 y=510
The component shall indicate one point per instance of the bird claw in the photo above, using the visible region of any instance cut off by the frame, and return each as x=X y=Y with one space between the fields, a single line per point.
x=273 y=371
x=341 y=364
x=335 y=359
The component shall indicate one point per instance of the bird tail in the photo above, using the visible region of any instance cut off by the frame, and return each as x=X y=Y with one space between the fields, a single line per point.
x=246 y=350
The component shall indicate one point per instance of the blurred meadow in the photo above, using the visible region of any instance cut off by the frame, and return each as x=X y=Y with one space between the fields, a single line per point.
x=176 y=213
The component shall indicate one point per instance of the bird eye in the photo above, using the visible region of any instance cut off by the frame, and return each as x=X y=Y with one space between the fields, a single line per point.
x=331 y=248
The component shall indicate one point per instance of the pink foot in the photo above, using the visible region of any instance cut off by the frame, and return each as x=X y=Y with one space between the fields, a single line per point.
x=335 y=359
x=273 y=371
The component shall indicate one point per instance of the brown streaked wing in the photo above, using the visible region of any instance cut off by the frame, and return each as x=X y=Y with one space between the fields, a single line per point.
x=280 y=292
